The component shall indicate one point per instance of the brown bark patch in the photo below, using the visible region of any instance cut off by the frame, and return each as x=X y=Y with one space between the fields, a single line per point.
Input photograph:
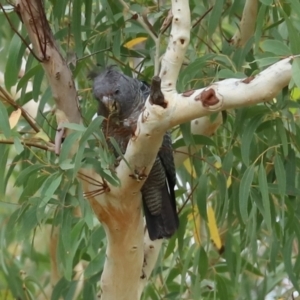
x=248 y=79
x=208 y=98
x=188 y=93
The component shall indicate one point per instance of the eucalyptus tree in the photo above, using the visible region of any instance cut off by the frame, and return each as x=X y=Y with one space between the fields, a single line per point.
x=229 y=74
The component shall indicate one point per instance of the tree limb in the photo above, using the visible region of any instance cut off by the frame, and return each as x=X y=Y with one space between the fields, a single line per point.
x=6 y=97
x=247 y=24
x=56 y=69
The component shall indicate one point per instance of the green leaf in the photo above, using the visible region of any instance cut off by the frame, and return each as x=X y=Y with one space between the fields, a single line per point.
x=96 y=264
x=4 y=124
x=116 y=43
x=280 y=175
x=244 y=191
x=293 y=33
x=248 y=136
x=24 y=80
x=282 y=136
x=76 y=27
x=202 y=263
x=296 y=71
x=13 y=62
x=75 y=126
x=37 y=83
x=266 y=2
x=215 y=17
x=49 y=187
x=25 y=174
x=18 y=145
x=4 y=150
x=95 y=125
x=67 y=145
x=197 y=140
x=75 y=239
x=263 y=186
x=287 y=258
x=202 y=196
x=276 y=47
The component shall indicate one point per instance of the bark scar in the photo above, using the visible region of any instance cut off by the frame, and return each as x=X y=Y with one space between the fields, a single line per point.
x=248 y=79
x=139 y=175
x=208 y=98
x=188 y=93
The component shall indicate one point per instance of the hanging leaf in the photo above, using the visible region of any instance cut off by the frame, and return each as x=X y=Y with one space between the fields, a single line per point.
x=244 y=191
x=14 y=118
x=213 y=228
x=130 y=44
x=263 y=186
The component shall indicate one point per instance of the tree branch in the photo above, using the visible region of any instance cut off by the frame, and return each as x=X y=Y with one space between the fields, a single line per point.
x=6 y=97
x=30 y=144
x=247 y=24
x=56 y=69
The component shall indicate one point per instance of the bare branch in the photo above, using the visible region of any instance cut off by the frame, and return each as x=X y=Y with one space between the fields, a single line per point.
x=6 y=97
x=247 y=24
x=30 y=144
x=16 y=31
x=140 y=19
x=56 y=69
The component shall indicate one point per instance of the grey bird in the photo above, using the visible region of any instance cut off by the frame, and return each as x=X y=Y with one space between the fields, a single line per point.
x=121 y=99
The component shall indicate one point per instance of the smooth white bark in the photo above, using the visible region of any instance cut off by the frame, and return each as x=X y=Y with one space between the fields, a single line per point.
x=247 y=25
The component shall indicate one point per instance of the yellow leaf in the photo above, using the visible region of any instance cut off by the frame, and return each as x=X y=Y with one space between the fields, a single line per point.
x=43 y=136
x=195 y=219
x=218 y=165
x=213 y=228
x=229 y=180
x=189 y=167
x=14 y=118
x=6 y=294
x=295 y=94
x=197 y=229
x=134 y=42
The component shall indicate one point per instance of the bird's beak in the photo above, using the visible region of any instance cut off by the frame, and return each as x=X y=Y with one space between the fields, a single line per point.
x=110 y=103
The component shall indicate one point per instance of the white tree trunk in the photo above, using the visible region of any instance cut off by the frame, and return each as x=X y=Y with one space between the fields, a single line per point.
x=247 y=25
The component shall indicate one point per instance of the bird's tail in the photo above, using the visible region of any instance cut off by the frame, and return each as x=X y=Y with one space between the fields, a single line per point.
x=165 y=224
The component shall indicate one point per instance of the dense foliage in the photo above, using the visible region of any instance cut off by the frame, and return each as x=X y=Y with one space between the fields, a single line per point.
x=237 y=196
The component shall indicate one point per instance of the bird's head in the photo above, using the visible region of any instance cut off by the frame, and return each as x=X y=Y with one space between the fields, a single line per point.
x=116 y=94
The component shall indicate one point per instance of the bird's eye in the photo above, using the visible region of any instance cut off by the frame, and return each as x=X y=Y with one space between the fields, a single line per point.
x=117 y=92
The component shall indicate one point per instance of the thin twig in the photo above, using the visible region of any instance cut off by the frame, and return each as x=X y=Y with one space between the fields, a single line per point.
x=89 y=179
x=149 y=25
x=202 y=17
x=17 y=33
x=140 y=20
x=157 y=56
x=29 y=144
x=12 y=102
x=91 y=54
x=167 y=22
x=187 y=199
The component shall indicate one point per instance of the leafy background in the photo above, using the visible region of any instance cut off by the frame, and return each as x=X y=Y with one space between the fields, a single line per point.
x=238 y=196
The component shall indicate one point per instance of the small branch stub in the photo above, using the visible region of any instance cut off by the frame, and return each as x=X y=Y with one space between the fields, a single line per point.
x=156 y=95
